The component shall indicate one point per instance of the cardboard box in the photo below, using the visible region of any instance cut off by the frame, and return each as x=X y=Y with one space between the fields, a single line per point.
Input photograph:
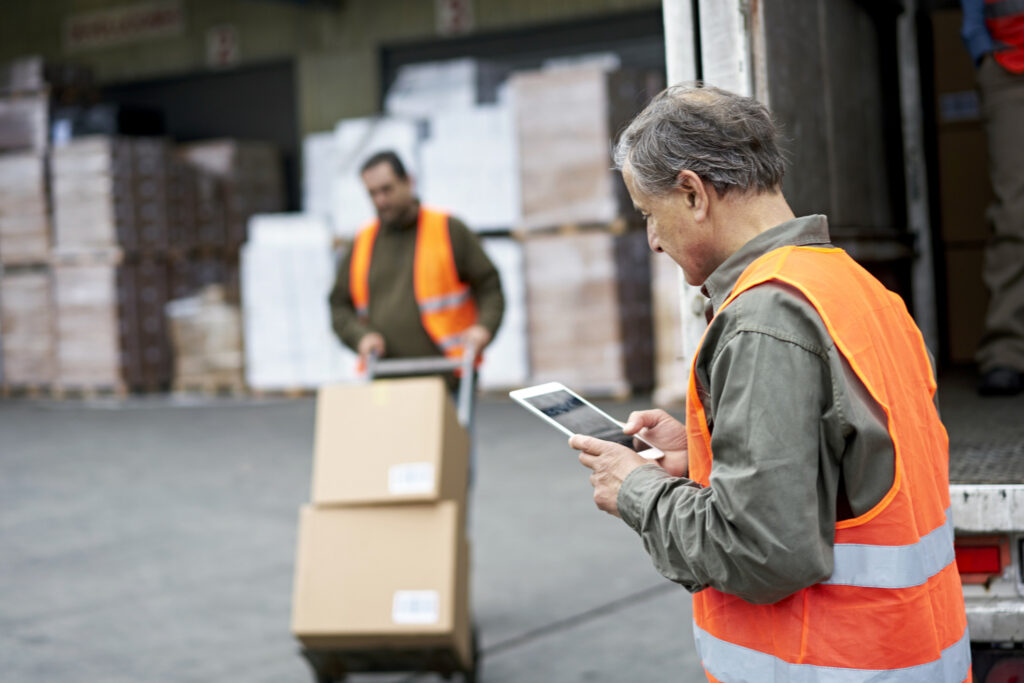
x=573 y=307
x=388 y=441
x=394 y=577
x=26 y=318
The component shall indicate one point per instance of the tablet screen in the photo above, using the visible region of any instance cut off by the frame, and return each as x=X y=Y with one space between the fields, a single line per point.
x=579 y=418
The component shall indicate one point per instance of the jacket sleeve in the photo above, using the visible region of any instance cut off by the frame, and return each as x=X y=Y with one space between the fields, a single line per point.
x=973 y=30
x=764 y=527
x=343 y=313
x=477 y=270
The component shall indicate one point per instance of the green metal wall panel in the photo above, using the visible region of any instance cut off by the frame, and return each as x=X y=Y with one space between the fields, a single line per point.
x=335 y=49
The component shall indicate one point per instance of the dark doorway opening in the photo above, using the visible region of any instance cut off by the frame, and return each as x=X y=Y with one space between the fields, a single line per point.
x=248 y=103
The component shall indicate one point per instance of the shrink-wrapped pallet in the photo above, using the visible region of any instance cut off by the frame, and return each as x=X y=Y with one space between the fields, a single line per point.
x=469 y=163
x=506 y=360
x=287 y=271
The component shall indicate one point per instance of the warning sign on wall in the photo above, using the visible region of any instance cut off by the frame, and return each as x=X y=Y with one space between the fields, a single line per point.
x=454 y=16
x=122 y=25
x=222 y=46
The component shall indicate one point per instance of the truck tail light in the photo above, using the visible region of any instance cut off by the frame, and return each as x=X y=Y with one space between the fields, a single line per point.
x=979 y=558
x=1007 y=671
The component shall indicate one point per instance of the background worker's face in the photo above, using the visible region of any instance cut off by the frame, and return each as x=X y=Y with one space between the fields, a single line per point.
x=392 y=196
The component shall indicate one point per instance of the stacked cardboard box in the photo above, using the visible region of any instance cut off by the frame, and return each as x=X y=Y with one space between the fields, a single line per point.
x=578 y=320
x=29 y=89
x=250 y=177
x=206 y=332
x=566 y=118
x=24 y=209
x=110 y=263
x=27 y=324
x=382 y=566
x=26 y=282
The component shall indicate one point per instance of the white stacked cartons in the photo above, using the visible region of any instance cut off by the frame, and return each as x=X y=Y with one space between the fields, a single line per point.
x=422 y=90
x=320 y=165
x=506 y=360
x=287 y=271
x=470 y=164
x=356 y=140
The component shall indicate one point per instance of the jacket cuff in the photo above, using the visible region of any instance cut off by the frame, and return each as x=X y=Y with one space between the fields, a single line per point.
x=635 y=490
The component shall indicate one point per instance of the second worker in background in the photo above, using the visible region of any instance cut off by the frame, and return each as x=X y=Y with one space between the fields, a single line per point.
x=416 y=282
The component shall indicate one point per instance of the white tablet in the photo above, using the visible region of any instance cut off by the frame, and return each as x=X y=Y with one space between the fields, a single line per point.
x=573 y=414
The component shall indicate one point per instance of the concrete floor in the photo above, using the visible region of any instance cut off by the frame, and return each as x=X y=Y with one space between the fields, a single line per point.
x=154 y=540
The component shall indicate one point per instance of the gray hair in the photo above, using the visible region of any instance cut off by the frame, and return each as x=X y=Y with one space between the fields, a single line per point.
x=730 y=141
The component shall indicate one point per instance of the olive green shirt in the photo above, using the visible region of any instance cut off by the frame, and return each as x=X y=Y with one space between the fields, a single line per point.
x=797 y=440
x=393 y=311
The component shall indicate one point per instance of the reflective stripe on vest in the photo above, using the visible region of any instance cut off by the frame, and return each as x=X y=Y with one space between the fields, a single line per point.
x=730 y=663
x=1004 y=20
x=893 y=605
x=445 y=303
x=894 y=566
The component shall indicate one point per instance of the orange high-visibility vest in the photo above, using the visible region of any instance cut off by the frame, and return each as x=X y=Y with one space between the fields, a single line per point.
x=893 y=609
x=1004 y=20
x=446 y=304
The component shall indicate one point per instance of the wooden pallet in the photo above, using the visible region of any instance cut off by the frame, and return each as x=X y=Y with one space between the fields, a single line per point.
x=209 y=387
x=290 y=392
x=617 y=226
x=32 y=391
x=88 y=392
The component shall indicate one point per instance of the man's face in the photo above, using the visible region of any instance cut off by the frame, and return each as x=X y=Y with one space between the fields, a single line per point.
x=392 y=196
x=672 y=229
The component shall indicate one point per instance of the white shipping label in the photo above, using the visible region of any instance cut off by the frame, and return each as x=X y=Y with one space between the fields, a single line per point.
x=411 y=477
x=416 y=607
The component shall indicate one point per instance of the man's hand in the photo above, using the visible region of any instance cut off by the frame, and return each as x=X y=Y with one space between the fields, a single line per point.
x=660 y=429
x=372 y=342
x=611 y=463
x=476 y=336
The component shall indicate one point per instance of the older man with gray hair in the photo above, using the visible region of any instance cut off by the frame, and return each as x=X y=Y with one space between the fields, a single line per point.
x=805 y=501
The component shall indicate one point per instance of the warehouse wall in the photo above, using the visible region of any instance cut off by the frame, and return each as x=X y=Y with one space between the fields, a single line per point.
x=334 y=47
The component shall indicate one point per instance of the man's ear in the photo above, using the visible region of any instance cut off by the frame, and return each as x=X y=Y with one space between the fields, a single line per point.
x=695 y=193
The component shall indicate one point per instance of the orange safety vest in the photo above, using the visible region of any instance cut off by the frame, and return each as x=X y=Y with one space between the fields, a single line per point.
x=893 y=609
x=446 y=304
x=1004 y=20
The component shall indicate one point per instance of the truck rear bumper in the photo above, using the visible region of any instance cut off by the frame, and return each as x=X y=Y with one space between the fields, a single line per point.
x=996 y=621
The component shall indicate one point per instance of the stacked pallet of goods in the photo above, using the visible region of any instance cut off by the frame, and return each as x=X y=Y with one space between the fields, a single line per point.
x=30 y=90
x=588 y=273
x=100 y=230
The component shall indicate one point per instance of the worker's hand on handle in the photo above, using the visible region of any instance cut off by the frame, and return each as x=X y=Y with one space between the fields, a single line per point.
x=660 y=429
x=476 y=337
x=372 y=343
x=611 y=464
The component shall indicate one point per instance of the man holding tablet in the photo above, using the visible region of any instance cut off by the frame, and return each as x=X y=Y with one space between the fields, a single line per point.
x=805 y=501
